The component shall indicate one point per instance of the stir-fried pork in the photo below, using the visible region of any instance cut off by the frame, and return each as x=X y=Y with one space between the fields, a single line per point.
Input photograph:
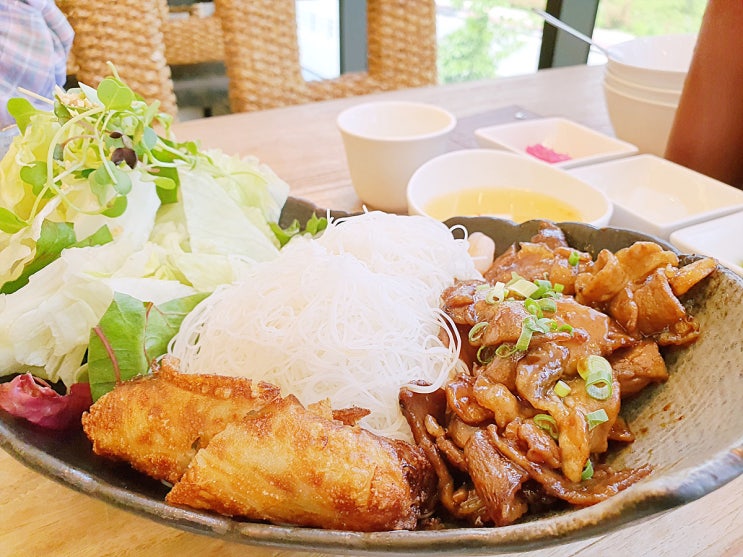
x=547 y=372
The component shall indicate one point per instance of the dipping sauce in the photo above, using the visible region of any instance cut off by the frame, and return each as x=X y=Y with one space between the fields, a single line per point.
x=519 y=205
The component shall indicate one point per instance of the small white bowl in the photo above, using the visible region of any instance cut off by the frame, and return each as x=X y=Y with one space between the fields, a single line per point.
x=582 y=144
x=656 y=196
x=642 y=122
x=719 y=238
x=654 y=94
x=482 y=174
x=653 y=61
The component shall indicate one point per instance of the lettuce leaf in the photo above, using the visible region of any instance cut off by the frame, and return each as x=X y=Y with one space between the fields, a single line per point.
x=130 y=335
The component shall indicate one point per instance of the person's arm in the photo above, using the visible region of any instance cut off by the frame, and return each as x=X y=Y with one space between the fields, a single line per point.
x=707 y=134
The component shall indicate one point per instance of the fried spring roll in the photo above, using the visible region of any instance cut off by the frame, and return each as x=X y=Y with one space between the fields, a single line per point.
x=158 y=422
x=287 y=465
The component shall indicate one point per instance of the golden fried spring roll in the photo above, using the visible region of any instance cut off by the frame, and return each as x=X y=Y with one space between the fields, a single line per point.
x=158 y=422
x=287 y=465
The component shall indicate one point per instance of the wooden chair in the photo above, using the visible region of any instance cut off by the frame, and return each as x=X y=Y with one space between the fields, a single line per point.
x=256 y=40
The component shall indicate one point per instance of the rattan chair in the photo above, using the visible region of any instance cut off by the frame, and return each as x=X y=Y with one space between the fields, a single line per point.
x=256 y=40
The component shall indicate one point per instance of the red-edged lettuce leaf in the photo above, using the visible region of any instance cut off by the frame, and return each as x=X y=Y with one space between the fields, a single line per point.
x=31 y=398
x=130 y=335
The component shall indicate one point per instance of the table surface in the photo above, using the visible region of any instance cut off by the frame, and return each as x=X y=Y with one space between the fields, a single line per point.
x=301 y=144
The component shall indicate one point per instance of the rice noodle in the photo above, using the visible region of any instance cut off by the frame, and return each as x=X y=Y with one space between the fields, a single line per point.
x=351 y=316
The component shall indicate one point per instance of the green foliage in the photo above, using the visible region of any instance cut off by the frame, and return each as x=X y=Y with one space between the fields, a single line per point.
x=476 y=49
x=658 y=17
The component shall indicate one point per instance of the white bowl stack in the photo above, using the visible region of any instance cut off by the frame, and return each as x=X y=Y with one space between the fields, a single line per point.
x=642 y=84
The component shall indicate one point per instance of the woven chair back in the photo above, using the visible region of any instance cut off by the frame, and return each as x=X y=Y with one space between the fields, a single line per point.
x=257 y=41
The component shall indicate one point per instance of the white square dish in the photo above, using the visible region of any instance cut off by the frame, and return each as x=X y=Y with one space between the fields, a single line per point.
x=656 y=196
x=718 y=238
x=557 y=135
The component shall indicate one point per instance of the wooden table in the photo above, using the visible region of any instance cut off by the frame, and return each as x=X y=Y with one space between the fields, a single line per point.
x=39 y=517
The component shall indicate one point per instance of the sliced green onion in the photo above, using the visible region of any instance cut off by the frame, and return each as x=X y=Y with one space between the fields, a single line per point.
x=587 y=473
x=531 y=325
x=596 y=417
x=558 y=288
x=481 y=287
x=548 y=424
x=523 y=288
x=525 y=337
x=544 y=287
x=548 y=305
x=485 y=354
x=532 y=306
x=543 y=283
x=496 y=293
x=544 y=325
x=477 y=331
x=562 y=389
x=598 y=384
x=564 y=328
x=592 y=364
x=574 y=258
x=514 y=278
x=506 y=350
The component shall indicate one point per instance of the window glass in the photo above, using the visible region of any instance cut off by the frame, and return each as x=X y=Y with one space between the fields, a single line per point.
x=480 y=39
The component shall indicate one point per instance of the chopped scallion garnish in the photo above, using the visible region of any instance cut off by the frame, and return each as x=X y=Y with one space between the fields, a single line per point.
x=523 y=288
x=574 y=258
x=548 y=424
x=562 y=389
x=548 y=305
x=497 y=293
x=596 y=417
x=506 y=350
x=593 y=363
x=564 y=328
x=587 y=473
x=533 y=307
x=525 y=337
x=598 y=384
x=477 y=331
x=485 y=354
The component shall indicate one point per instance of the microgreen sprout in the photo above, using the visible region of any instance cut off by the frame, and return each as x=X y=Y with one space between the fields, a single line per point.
x=99 y=137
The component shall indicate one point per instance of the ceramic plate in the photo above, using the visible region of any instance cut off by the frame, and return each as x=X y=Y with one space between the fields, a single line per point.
x=687 y=429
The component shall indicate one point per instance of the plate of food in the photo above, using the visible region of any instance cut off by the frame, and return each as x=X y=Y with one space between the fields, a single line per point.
x=183 y=340
x=637 y=478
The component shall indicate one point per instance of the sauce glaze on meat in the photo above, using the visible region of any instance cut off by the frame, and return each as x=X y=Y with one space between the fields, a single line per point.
x=485 y=433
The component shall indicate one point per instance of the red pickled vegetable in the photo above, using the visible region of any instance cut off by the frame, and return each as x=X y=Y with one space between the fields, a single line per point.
x=31 y=398
x=546 y=154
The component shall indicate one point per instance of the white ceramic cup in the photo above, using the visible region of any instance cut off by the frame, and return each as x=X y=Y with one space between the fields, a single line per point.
x=385 y=142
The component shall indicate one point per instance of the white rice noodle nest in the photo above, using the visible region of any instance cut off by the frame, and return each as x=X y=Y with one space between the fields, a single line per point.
x=351 y=317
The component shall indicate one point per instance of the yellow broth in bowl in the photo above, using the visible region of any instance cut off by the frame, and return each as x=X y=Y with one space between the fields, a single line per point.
x=516 y=204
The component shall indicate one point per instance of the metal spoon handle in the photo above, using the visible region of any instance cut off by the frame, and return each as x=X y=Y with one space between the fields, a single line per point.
x=549 y=18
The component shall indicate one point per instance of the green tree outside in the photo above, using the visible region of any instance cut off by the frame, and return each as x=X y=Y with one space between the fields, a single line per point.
x=475 y=50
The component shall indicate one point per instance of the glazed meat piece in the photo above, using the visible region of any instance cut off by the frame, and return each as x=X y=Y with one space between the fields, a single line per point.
x=458 y=301
x=604 y=279
x=158 y=422
x=604 y=483
x=684 y=278
x=537 y=375
x=637 y=366
x=425 y=412
x=285 y=464
x=546 y=256
x=639 y=286
x=593 y=332
x=497 y=480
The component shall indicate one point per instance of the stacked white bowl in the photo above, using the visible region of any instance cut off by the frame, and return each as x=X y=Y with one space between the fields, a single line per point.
x=643 y=81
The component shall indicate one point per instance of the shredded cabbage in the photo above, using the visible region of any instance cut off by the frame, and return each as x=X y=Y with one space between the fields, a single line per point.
x=78 y=223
